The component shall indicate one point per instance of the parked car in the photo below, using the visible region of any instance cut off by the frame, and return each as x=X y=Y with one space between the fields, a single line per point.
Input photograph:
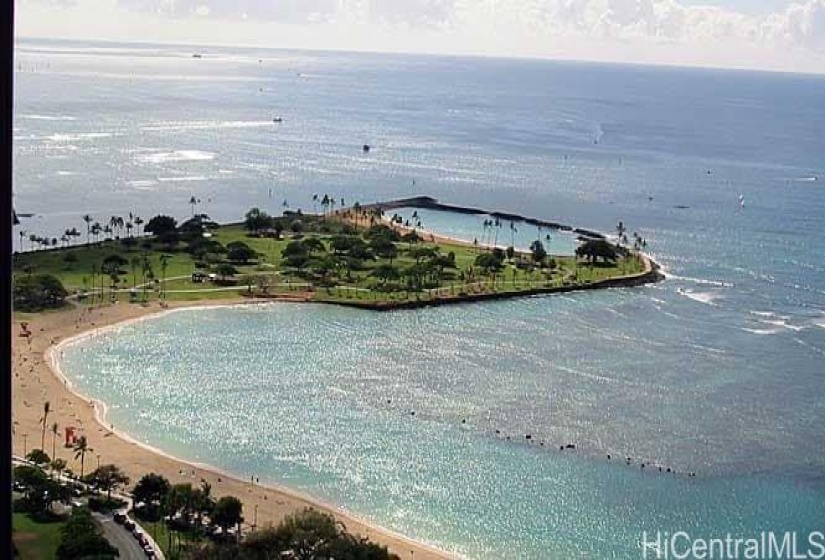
x=119 y=517
x=149 y=552
x=129 y=524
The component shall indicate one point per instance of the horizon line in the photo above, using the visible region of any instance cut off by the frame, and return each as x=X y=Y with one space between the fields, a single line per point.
x=403 y=52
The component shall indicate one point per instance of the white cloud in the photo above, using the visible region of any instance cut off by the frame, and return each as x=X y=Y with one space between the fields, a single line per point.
x=665 y=31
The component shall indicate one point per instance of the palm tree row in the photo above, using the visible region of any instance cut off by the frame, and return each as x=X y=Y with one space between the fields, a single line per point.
x=112 y=229
x=327 y=202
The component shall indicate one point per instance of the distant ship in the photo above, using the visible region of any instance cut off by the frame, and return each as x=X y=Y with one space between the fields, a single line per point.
x=278 y=120
x=196 y=55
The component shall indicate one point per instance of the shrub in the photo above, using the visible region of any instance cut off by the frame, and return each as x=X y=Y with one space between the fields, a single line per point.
x=101 y=504
x=35 y=293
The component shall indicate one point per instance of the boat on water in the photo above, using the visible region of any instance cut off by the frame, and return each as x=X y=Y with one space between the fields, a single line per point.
x=197 y=55
x=278 y=120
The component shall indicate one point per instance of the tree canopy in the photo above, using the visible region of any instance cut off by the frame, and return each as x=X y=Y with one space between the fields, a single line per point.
x=228 y=512
x=255 y=220
x=595 y=249
x=489 y=262
x=240 y=252
x=82 y=539
x=307 y=535
x=537 y=251
x=161 y=225
x=108 y=478
x=38 y=292
x=152 y=488
x=40 y=491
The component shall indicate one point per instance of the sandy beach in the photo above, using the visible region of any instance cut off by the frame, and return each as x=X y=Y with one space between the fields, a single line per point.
x=35 y=381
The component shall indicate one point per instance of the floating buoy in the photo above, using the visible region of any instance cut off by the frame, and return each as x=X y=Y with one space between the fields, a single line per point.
x=366 y=148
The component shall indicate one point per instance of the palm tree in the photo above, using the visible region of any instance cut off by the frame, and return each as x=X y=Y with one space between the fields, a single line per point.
x=32 y=240
x=129 y=227
x=164 y=264
x=72 y=233
x=325 y=204
x=47 y=407
x=107 y=230
x=134 y=263
x=193 y=202
x=314 y=203
x=23 y=234
x=357 y=208
x=96 y=228
x=113 y=221
x=94 y=274
x=146 y=269
x=80 y=450
x=55 y=429
x=138 y=222
x=88 y=219
x=620 y=230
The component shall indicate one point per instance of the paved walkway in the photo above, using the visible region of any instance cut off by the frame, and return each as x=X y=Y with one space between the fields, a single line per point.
x=120 y=538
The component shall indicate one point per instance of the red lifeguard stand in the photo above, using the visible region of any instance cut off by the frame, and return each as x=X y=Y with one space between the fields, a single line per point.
x=71 y=436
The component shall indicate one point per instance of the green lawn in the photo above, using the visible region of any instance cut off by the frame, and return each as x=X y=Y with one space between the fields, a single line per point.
x=35 y=541
x=74 y=267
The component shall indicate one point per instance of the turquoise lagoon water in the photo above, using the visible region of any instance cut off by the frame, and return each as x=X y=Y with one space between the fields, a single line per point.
x=718 y=370
x=470 y=227
x=321 y=399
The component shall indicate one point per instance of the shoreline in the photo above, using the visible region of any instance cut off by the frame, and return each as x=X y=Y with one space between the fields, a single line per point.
x=136 y=458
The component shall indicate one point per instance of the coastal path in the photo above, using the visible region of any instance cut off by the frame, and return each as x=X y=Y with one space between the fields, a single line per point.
x=120 y=538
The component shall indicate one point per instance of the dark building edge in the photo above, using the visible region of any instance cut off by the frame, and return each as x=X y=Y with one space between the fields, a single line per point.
x=6 y=94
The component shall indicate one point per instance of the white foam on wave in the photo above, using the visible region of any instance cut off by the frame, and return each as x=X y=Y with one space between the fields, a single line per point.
x=708 y=298
x=48 y=117
x=783 y=323
x=762 y=332
x=776 y=320
x=701 y=281
x=763 y=313
x=142 y=184
x=68 y=173
x=180 y=126
x=73 y=137
x=806 y=179
x=176 y=156
x=185 y=179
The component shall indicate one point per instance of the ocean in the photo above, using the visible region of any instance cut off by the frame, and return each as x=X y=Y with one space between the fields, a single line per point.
x=717 y=371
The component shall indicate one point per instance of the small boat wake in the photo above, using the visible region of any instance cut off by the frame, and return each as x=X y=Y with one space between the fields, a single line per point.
x=707 y=298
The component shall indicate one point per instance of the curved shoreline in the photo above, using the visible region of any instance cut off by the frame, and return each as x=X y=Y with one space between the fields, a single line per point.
x=273 y=501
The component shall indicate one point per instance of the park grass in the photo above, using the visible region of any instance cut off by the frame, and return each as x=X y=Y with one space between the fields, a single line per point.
x=75 y=271
x=35 y=541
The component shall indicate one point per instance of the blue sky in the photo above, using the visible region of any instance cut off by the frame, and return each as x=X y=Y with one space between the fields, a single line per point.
x=780 y=35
